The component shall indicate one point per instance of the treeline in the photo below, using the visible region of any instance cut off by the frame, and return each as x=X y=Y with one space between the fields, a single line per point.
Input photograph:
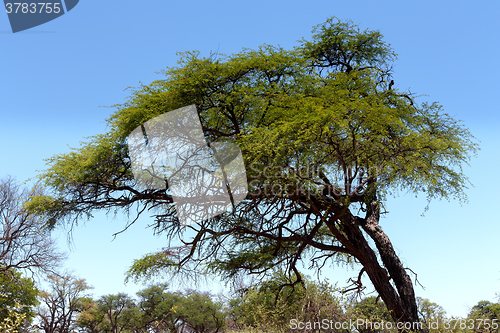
x=280 y=304
x=277 y=305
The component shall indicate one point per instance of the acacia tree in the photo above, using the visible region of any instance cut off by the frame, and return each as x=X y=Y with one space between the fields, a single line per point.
x=116 y=309
x=159 y=308
x=485 y=312
x=91 y=318
x=325 y=136
x=198 y=313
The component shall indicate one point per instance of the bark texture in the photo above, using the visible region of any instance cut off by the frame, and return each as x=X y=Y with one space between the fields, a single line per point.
x=400 y=301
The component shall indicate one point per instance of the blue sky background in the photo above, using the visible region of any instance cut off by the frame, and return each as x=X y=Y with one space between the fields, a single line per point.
x=56 y=78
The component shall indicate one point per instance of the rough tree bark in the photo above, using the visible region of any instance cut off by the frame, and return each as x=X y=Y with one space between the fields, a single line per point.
x=401 y=302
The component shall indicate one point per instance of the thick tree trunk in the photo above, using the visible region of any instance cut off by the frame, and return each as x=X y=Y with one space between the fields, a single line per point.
x=401 y=302
x=395 y=268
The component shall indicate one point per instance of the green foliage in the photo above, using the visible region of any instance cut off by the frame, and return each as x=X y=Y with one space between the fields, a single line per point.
x=159 y=308
x=149 y=266
x=100 y=159
x=156 y=310
x=486 y=309
x=199 y=313
x=13 y=318
x=432 y=315
x=484 y=312
x=343 y=46
x=370 y=310
x=90 y=318
x=19 y=290
x=117 y=311
x=273 y=304
x=17 y=298
x=110 y=313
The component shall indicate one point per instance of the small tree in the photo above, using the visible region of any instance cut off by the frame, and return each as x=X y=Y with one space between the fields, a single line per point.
x=432 y=315
x=60 y=305
x=25 y=243
x=117 y=311
x=159 y=308
x=90 y=319
x=200 y=314
x=485 y=313
x=369 y=310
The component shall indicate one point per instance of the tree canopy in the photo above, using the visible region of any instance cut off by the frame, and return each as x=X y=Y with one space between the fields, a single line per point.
x=156 y=310
x=325 y=136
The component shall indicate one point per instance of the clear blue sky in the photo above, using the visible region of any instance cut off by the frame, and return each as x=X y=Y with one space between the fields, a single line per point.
x=55 y=78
